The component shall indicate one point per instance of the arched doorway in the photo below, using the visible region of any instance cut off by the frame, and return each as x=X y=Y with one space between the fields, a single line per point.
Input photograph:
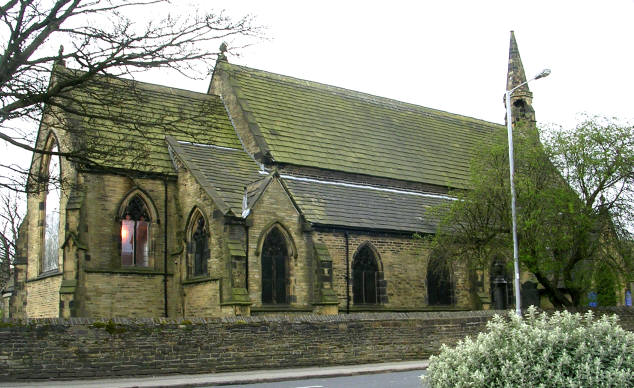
x=439 y=286
x=275 y=268
x=365 y=277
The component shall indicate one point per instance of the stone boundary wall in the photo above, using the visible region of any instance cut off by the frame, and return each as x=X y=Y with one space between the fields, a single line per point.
x=38 y=349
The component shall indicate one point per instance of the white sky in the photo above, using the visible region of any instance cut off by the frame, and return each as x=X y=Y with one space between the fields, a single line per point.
x=449 y=55
x=452 y=55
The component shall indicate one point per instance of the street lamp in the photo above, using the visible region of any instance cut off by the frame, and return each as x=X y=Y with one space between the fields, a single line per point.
x=509 y=126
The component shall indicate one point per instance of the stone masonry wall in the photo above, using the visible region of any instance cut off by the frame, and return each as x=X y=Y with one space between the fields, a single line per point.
x=81 y=347
x=198 y=299
x=105 y=294
x=403 y=260
x=276 y=207
x=130 y=295
x=43 y=297
x=202 y=299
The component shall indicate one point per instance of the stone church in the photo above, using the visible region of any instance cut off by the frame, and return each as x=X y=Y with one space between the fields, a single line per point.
x=268 y=194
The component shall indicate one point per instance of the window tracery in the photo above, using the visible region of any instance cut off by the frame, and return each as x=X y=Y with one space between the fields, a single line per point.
x=365 y=277
x=275 y=261
x=135 y=233
x=198 y=246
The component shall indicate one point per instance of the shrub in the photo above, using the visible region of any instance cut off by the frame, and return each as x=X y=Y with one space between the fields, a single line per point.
x=560 y=350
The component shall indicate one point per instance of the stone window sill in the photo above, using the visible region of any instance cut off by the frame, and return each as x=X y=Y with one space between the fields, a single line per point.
x=47 y=274
x=280 y=308
x=199 y=279
x=128 y=271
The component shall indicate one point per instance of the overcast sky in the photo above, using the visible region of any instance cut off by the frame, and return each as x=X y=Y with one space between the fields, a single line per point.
x=448 y=55
x=452 y=55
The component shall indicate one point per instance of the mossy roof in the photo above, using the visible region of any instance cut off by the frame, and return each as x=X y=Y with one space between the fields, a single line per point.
x=311 y=124
x=122 y=124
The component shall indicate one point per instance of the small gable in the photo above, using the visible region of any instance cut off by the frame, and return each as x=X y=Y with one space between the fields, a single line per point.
x=120 y=124
x=222 y=172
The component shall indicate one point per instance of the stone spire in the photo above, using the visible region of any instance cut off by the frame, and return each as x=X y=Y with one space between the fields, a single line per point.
x=522 y=98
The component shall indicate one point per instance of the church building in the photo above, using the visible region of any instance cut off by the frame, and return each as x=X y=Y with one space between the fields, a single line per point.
x=267 y=194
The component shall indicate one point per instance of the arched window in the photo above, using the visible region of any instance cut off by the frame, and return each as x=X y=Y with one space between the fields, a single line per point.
x=275 y=255
x=439 y=286
x=365 y=277
x=135 y=233
x=51 y=213
x=198 y=246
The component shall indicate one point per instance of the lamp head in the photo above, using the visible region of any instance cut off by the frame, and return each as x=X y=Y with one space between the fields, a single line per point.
x=543 y=74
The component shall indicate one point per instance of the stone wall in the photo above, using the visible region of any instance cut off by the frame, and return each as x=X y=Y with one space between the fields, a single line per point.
x=201 y=299
x=124 y=294
x=43 y=296
x=81 y=347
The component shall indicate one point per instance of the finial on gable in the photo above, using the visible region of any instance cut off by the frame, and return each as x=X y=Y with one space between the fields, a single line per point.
x=223 y=50
x=59 y=61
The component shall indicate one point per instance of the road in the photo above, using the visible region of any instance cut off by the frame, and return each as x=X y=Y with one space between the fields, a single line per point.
x=409 y=379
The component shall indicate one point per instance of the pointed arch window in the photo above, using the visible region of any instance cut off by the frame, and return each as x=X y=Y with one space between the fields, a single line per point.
x=52 y=170
x=275 y=260
x=135 y=233
x=198 y=247
x=439 y=285
x=366 y=277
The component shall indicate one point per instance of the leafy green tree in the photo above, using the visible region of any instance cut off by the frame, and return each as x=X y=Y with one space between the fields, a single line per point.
x=575 y=198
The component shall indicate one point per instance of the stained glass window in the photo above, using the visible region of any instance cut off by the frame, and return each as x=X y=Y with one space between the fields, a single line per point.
x=135 y=233
x=199 y=247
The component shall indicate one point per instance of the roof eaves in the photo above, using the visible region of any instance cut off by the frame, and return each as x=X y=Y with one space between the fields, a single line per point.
x=406 y=231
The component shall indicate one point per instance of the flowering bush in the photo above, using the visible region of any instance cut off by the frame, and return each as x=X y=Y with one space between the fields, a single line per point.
x=560 y=350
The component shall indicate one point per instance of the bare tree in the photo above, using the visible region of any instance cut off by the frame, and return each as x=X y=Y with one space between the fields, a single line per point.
x=10 y=221
x=101 y=40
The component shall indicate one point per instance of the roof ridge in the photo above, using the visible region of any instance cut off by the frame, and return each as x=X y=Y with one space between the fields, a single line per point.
x=350 y=93
x=149 y=86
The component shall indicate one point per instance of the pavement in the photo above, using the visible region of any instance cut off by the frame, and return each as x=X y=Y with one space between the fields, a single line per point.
x=228 y=378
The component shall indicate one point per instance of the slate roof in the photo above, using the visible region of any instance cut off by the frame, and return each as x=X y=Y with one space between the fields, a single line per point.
x=311 y=124
x=366 y=207
x=222 y=172
x=122 y=124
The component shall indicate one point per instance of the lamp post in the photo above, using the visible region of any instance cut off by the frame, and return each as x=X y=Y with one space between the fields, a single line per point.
x=509 y=127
